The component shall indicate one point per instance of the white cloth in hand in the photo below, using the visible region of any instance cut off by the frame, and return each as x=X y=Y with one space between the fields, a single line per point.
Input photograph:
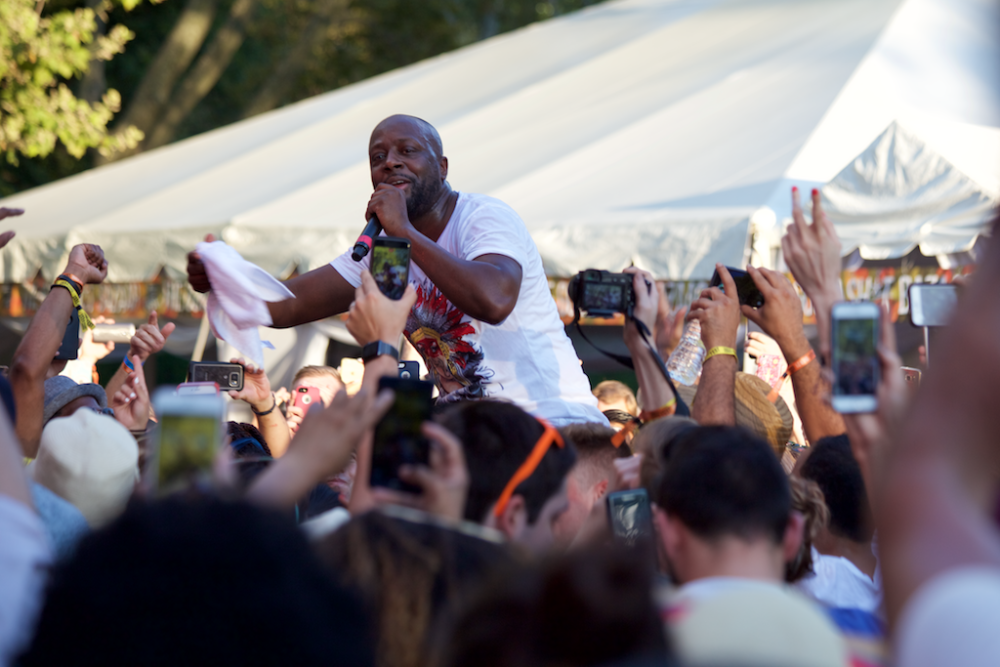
x=237 y=304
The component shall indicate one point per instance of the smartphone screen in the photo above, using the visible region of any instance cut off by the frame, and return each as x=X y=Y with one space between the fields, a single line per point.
x=631 y=519
x=391 y=265
x=398 y=439
x=932 y=305
x=189 y=434
x=855 y=361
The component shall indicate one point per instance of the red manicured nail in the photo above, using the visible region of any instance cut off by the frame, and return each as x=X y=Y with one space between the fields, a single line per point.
x=815 y=192
x=795 y=188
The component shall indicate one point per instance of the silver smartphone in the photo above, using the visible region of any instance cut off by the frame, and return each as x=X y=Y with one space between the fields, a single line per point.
x=932 y=305
x=854 y=356
x=187 y=438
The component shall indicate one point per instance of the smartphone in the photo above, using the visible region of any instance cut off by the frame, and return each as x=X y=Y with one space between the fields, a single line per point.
x=854 y=358
x=187 y=438
x=630 y=516
x=197 y=389
x=306 y=397
x=70 y=346
x=409 y=370
x=932 y=305
x=113 y=333
x=229 y=377
x=746 y=288
x=911 y=377
x=390 y=265
x=398 y=439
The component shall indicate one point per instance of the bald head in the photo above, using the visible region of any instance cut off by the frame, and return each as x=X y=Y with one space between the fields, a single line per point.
x=417 y=127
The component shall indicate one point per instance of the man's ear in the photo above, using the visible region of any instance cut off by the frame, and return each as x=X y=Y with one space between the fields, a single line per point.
x=665 y=529
x=600 y=490
x=513 y=519
x=794 y=534
x=444 y=168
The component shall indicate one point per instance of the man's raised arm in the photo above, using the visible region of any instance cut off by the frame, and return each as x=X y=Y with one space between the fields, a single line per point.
x=319 y=293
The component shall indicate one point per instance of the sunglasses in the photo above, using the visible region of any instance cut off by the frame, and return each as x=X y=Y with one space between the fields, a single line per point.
x=549 y=436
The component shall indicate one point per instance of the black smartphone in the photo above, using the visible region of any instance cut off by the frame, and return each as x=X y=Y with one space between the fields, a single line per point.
x=409 y=370
x=70 y=347
x=228 y=376
x=746 y=288
x=391 y=265
x=398 y=439
x=854 y=356
x=630 y=516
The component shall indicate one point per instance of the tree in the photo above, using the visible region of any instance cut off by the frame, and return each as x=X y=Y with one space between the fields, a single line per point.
x=38 y=55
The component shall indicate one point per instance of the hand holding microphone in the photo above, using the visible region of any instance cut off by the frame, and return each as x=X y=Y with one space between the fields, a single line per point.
x=364 y=244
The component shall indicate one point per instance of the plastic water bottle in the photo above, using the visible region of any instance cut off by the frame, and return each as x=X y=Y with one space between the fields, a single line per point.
x=684 y=365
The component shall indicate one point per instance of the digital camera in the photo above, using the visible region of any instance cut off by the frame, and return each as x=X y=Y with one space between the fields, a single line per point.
x=602 y=293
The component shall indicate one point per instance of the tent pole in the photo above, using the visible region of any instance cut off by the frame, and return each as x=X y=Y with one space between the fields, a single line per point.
x=202 y=340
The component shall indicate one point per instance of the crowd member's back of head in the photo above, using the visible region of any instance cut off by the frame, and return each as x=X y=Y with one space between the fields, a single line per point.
x=833 y=467
x=723 y=481
x=584 y=608
x=591 y=476
x=498 y=440
x=198 y=583
x=615 y=395
x=412 y=573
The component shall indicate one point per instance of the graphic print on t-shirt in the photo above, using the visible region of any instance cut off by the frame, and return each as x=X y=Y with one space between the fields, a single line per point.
x=441 y=334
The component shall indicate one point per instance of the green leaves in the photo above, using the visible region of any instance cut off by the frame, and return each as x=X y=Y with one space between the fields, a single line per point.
x=38 y=55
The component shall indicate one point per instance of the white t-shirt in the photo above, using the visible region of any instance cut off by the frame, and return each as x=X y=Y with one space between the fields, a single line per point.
x=952 y=620
x=25 y=556
x=837 y=582
x=526 y=359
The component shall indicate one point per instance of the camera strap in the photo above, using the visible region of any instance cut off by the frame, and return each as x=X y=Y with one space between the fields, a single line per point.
x=682 y=407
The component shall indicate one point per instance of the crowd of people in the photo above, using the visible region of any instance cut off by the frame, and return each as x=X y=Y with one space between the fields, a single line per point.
x=872 y=539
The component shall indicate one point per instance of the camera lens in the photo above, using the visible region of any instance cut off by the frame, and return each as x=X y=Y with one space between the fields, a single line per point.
x=234 y=379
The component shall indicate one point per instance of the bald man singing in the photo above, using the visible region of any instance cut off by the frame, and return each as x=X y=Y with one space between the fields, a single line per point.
x=484 y=320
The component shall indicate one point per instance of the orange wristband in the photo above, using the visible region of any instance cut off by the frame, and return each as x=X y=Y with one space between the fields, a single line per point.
x=74 y=279
x=793 y=367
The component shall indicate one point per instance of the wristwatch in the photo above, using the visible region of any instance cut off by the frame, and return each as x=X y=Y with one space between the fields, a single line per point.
x=377 y=349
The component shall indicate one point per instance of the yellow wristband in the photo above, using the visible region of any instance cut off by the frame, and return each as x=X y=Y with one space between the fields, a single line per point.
x=720 y=350
x=85 y=320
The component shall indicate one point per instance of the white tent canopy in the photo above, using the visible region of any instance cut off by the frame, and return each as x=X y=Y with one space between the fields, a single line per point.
x=899 y=194
x=645 y=131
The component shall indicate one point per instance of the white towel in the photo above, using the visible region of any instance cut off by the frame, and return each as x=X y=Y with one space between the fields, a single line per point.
x=237 y=304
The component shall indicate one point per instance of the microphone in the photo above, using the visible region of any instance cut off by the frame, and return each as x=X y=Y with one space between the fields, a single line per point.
x=364 y=244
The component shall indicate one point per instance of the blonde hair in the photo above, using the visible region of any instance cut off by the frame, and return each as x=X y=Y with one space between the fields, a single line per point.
x=317 y=371
x=807 y=498
x=612 y=391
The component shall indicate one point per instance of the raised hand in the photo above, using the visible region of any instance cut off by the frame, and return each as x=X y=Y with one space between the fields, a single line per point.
x=812 y=251
x=870 y=432
x=322 y=448
x=86 y=262
x=646 y=303
x=91 y=350
x=131 y=402
x=196 y=270
x=718 y=312
x=389 y=204
x=781 y=315
x=6 y=212
x=669 y=324
x=256 y=386
x=444 y=484
x=150 y=338
x=373 y=316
